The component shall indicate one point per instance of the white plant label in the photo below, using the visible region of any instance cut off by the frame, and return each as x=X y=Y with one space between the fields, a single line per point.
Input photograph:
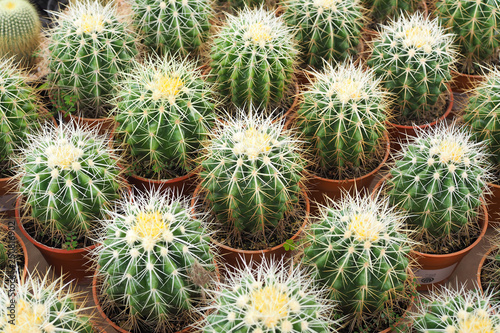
x=429 y=276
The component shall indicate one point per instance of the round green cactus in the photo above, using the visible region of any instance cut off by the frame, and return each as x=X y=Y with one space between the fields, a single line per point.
x=42 y=305
x=252 y=173
x=475 y=24
x=381 y=10
x=67 y=176
x=440 y=179
x=342 y=116
x=164 y=111
x=253 y=58
x=359 y=250
x=89 y=48
x=19 y=31
x=327 y=30
x=414 y=57
x=154 y=258
x=269 y=298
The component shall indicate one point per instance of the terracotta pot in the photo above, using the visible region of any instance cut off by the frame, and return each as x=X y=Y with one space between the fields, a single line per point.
x=234 y=258
x=23 y=248
x=436 y=269
x=494 y=205
x=183 y=185
x=463 y=83
x=105 y=125
x=74 y=263
x=480 y=268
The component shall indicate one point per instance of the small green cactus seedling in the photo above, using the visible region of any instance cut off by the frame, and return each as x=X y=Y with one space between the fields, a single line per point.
x=42 y=305
x=89 y=47
x=164 y=111
x=382 y=10
x=269 y=298
x=252 y=170
x=342 y=116
x=253 y=58
x=475 y=24
x=327 y=30
x=173 y=26
x=19 y=31
x=67 y=176
x=154 y=257
x=440 y=179
x=450 y=310
x=414 y=57
x=359 y=250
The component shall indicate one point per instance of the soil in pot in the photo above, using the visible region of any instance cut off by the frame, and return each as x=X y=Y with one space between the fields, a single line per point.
x=487 y=278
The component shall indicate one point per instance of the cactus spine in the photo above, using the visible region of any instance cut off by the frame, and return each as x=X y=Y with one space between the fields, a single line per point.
x=20 y=30
x=414 y=57
x=381 y=10
x=328 y=30
x=253 y=58
x=164 y=111
x=89 y=48
x=342 y=116
x=154 y=252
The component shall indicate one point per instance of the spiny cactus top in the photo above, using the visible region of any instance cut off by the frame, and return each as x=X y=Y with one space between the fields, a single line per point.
x=19 y=31
x=173 y=26
x=440 y=179
x=326 y=29
x=450 y=310
x=343 y=115
x=89 y=47
x=154 y=256
x=359 y=250
x=67 y=176
x=164 y=111
x=18 y=110
x=475 y=25
x=482 y=114
x=269 y=298
x=414 y=57
x=42 y=305
x=252 y=172
x=253 y=57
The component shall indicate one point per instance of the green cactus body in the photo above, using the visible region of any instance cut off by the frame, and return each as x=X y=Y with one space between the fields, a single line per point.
x=89 y=48
x=152 y=248
x=414 y=57
x=475 y=24
x=327 y=30
x=440 y=179
x=68 y=175
x=252 y=173
x=19 y=31
x=42 y=306
x=4 y=258
x=253 y=58
x=381 y=10
x=18 y=110
x=343 y=116
x=359 y=251
x=164 y=111
x=482 y=114
x=173 y=26
x=269 y=298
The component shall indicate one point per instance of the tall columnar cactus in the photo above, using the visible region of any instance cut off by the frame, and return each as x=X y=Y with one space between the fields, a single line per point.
x=252 y=173
x=450 y=310
x=475 y=24
x=482 y=114
x=269 y=298
x=327 y=30
x=382 y=10
x=89 y=47
x=67 y=176
x=342 y=115
x=42 y=305
x=253 y=58
x=19 y=31
x=154 y=257
x=173 y=26
x=164 y=111
x=440 y=179
x=359 y=250
x=414 y=57
x=18 y=110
